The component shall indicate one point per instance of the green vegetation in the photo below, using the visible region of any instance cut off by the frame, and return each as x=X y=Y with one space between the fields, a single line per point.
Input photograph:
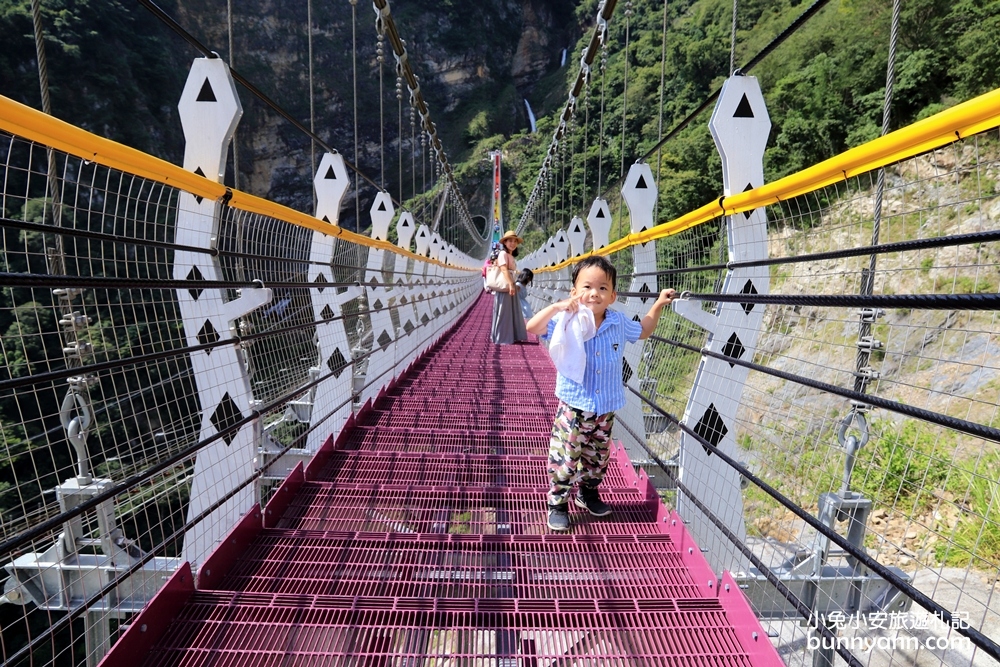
x=907 y=464
x=978 y=530
x=911 y=469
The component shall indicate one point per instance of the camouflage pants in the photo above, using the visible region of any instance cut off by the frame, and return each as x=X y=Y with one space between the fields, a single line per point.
x=578 y=451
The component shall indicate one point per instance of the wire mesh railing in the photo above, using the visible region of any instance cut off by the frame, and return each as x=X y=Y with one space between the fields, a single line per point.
x=863 y=440
x=147 y=403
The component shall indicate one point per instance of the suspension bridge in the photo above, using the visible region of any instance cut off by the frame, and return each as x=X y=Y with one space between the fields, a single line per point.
x=238 y=433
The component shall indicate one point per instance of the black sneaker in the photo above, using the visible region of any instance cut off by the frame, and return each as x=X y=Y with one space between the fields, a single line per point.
x=591 y=501
x=558 y=517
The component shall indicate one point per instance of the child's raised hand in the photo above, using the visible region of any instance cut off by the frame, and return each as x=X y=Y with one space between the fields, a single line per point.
x=666 y=296
x=569 y=305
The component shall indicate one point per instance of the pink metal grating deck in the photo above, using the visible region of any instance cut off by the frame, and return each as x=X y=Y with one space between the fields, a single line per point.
x=419 y=538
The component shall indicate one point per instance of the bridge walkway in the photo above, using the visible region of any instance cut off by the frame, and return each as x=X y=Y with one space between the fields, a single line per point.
x=419 y=538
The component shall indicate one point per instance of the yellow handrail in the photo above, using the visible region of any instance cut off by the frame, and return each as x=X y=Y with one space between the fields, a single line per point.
x=33 y=125
x=977 y=115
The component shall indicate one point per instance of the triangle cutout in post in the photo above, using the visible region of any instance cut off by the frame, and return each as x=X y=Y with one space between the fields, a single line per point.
x=641 y=183
x=330 y=173
x=206 y=94
x=381 y=206
x=600 y=213
x=743 y=109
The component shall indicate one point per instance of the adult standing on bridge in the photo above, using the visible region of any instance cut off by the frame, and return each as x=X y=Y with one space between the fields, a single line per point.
x=508 y=322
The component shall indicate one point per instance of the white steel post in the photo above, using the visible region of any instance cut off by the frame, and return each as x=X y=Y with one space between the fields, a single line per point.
x=334 y=348
x=740 y=126
x=209 y=111
x=382 y=356
x=639 y=192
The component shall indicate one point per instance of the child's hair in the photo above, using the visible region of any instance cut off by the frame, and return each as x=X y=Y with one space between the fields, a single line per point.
x=600 y=262
x=525 y=276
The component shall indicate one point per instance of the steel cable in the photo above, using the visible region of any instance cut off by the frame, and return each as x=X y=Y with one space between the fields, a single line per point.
x=256 y=92
x=986 y=644
x=954 y=423
x=897 y=246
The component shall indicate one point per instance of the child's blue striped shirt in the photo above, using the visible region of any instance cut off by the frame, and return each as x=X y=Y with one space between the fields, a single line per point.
x=602 y=390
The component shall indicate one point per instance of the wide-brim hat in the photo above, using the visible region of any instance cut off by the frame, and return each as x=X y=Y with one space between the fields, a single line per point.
x=511 y=235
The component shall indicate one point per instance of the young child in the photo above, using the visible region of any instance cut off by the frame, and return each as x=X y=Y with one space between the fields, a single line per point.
x=578 y=448
x=524 y=279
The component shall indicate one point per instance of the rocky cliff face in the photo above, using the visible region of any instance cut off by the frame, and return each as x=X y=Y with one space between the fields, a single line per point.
x=119 y=71
x=456 y=50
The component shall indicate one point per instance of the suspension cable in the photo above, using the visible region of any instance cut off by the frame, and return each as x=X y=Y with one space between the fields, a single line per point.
x=354 y=81
x=600 y=132
x=920 y=301
x=232 y=62
x=867 y=286
x=256 y=92
x=659 y=124
x=628 y=17
x=732 y=42
x=763 y=53
x=380 y=58
x=417 y=98
x=312 y=95
x=604 y=13
x=399 y=127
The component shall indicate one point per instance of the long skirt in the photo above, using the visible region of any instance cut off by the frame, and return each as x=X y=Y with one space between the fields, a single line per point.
x=508 y=322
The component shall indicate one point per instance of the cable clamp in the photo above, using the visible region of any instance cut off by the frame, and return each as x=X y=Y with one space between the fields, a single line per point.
x=75 y=321
x=869 y=343
x=602 y=23
x=868 y=372
x=77 y=348
x=68 y=293
x=871 y=314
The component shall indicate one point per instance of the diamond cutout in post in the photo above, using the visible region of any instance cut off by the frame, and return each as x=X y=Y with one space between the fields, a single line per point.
x=336 y=363
x=377 y=305
x=327 y=313
x=734 y=348
x=747 y=214
x=711 y=428
x=644 y=290
x=200 y=173
x=384 y=339
x=748 y=289
x=321 y=281
x=195 y=275
x=227 y=415
x=208 y=335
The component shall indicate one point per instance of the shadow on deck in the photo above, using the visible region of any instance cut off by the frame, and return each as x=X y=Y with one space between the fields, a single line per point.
x=419 y=538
